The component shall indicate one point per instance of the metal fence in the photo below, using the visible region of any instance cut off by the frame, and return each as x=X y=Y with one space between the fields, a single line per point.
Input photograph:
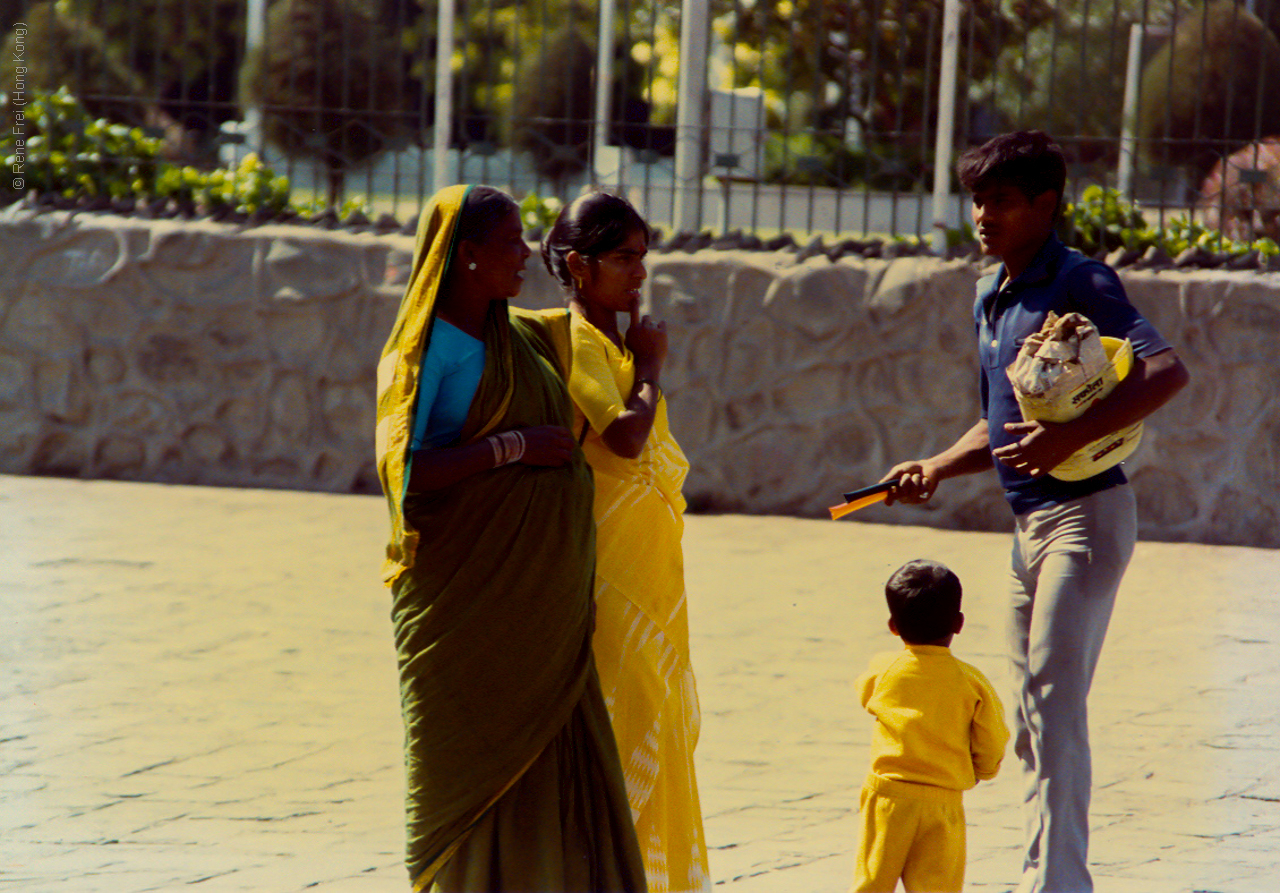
x=766 y=116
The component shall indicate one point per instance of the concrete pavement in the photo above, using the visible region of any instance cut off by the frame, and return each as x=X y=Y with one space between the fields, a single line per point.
x=198 y=691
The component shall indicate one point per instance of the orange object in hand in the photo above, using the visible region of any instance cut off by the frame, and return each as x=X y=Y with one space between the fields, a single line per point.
x=858 y=499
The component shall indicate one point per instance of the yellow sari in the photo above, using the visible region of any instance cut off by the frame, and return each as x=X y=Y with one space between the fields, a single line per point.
x=641 y=640
x=513 y=779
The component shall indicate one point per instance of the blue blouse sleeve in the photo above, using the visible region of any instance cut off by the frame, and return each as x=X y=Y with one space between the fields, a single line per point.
x=1096 y=291
x=451 y=370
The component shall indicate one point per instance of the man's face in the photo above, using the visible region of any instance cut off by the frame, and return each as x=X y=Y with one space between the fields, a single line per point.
x=1009 y=224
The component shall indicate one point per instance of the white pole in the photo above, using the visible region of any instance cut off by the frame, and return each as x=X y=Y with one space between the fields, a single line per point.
x=1128 y=118
x=942 y=147
x=691 y=113
x=604 y=84
x=255 y=33
x=444 y=94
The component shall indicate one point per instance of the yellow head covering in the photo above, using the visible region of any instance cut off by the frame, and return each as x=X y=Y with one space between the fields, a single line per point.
x=401 y=363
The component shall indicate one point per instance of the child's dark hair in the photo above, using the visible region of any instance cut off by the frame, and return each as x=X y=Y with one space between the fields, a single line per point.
x=482 y=210
x=1029 y=159
x=590 y=225
x=924 y=600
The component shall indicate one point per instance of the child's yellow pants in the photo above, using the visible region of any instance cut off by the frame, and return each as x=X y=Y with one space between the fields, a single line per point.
x=912 y=832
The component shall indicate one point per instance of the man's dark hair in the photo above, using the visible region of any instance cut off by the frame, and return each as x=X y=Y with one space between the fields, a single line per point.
x=924 y=600
x=1028 y=159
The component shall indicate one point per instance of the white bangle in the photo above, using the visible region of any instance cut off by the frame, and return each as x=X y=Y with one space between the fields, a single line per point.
x=508 y=447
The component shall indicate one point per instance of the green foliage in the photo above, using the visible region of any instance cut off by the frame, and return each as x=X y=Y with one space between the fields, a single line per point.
x=72 y=155
x=554 y=106
x=809 y=158
x=1080 y=50
x=873 y=61
x=539 y=212
x=1102 y=221
x=163 y=64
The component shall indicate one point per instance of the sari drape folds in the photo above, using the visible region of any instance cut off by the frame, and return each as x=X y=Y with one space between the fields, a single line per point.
x=491 y=580
x=641 y=639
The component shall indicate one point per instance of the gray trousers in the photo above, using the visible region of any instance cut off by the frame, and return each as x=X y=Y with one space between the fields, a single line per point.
x=1067 y=564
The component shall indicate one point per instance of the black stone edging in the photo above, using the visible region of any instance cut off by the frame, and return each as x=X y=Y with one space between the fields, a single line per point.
x=687 y=241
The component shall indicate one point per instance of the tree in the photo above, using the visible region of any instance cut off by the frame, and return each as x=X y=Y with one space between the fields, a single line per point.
x=1079 y=52
x=1214 y=88
x=330 y=83
x=163 y=64
x=554 y=107
x=827 y=66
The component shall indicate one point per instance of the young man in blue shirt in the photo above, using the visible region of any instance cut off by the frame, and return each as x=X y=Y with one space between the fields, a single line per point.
x=1073 y=539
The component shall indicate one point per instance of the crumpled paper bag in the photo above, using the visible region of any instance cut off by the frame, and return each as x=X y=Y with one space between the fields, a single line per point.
x=1061 y=370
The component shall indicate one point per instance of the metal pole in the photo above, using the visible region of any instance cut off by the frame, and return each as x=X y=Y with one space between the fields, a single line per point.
x=942 y=147
x=255 y=33
x=444 y=94
x=1128 y=118
x=604 y=85
x=691 y=100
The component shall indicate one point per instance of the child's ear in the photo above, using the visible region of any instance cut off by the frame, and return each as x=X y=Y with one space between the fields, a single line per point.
x=577 y=264
x=959 y=624
x=893 y=627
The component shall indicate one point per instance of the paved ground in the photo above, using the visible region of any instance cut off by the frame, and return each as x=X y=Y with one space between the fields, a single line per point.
x=197 y=691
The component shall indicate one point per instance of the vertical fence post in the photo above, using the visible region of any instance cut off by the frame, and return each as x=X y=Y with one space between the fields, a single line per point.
x=445 y=16
x=604 y=86
x=691 y=116
x=1129 y=117
x=942 y=145
x=255 y=32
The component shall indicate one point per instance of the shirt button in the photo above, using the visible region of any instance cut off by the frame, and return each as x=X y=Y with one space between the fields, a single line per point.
x=995 y=342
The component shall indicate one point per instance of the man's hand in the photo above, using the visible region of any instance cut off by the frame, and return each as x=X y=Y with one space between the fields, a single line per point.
x=916 y=481
x=1040 y=447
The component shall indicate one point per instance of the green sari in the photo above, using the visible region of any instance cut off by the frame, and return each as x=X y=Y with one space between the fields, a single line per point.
x=513 y=778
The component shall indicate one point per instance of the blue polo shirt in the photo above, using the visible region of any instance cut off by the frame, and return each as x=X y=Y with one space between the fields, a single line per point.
x=1062 y=280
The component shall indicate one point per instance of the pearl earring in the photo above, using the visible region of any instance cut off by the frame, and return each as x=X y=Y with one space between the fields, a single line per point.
x=471 y=266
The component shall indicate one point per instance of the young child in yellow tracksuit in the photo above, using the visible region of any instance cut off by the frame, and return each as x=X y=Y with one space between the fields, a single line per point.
x=939 y=729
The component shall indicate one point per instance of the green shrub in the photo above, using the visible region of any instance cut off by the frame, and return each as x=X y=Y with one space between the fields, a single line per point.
x=69 y=153
x=539 y=213
x=1102 y=221
x=72 y=155
x=812 y=159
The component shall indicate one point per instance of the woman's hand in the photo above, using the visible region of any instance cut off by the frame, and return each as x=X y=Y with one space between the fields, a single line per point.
x=547 y=445
x=647 y=340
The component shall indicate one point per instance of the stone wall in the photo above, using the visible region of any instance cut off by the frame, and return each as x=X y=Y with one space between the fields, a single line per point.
x=203 y=353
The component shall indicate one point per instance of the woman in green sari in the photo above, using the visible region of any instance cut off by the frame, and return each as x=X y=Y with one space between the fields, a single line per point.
x=513 y=777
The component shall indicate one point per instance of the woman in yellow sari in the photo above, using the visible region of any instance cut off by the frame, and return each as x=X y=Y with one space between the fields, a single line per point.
x=513 y=777
x=596 y=250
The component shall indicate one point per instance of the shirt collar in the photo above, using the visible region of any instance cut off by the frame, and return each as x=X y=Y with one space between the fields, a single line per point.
x=1042 y=268
x=927 y=649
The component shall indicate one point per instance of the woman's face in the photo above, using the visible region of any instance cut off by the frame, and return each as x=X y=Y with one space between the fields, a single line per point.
x=614 y=277
x=500 y=259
